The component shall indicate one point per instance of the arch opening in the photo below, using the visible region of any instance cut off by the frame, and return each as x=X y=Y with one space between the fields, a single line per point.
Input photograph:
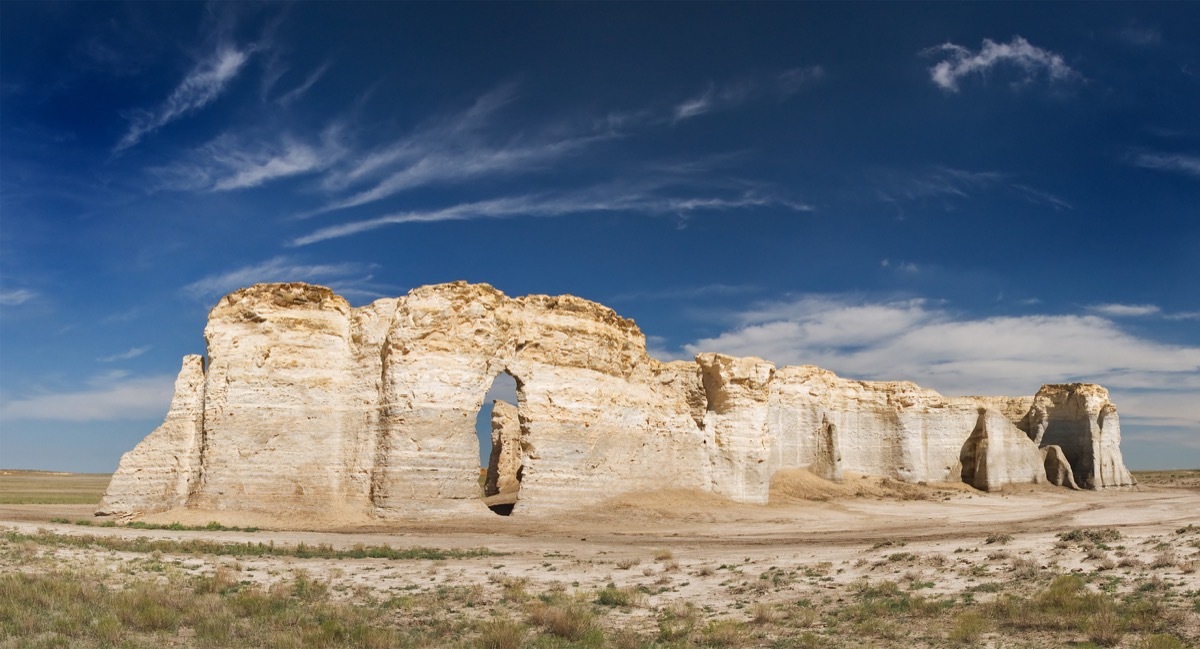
x=501 y=462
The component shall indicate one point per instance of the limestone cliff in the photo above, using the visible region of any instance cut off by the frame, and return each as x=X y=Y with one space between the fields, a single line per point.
x=309 y=406
x=1083 y=423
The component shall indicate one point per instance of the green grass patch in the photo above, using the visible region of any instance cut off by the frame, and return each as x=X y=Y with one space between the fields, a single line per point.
x=200 y=546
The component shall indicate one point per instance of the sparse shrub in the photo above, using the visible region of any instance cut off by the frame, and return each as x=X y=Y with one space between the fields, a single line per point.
x=1025 y=568
x=663 y=555
x=502 y=634
x=613 y=596
x=570 y=621
x=1161 y=641
x=705 y=571
x=1001 y=539
x=1164 y=559
x=677 y=621
x=763 y=613
x=1104 y=627
x=626 y=564
x=968 y=627
x=1094 y=535
x=725 y=633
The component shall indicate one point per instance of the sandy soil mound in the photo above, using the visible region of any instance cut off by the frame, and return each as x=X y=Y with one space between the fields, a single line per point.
x=791 y=486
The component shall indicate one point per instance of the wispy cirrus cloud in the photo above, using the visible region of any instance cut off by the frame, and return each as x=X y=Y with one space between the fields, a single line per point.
x=202 y=85
x=346 y=277
x=16 y=296
x=723 y=96
x=1173 y=162
x=594 y=200
x=457 y=165
x=287 y=98
x=125 y=355
x=960 y=62
x=934 y=182
x=227 y=164
x=949 y=183
x=1124 y=310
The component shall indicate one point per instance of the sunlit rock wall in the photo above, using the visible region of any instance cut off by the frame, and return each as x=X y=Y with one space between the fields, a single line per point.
x=314 y=408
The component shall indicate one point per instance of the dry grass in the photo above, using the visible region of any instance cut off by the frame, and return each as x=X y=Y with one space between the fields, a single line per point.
x=90 y=590
x=200 y=546
x=19 y=487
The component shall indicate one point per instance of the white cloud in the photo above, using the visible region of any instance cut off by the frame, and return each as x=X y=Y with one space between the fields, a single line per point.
x=902 y=266
x=1176 y=162
x=1124 y=310
x=199 y=88
x=934 y=182
x=299 y=91
x=278 y=269
x=16 y=296
x=114 y=398
x=225 y=164
x=432 y=136
x=732 y=94
x=961 y=62
x=919 y=341
x=455 y=165
x=251 y=172
x=592 y=201
x=125 y=355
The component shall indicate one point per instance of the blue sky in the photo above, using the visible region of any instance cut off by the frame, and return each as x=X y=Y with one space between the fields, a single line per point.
x=977 y=197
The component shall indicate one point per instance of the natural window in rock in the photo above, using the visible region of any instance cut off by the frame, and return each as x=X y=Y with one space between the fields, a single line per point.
x=499 y=429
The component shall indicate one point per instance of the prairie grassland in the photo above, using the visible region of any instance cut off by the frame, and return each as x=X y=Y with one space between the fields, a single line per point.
x=18 y=487
x=80 y=590
x=1023 y=570
x=1169 y=478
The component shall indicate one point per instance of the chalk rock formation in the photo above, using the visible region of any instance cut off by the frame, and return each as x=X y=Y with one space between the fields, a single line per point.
x=1058 y=469
x=504 y=465
x=158 y=472
x=1080 y=419
x=309 y=406
x=998 y=454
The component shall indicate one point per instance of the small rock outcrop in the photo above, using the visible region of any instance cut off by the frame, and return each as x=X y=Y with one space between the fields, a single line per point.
x=1080 y=419
x=1058 y=469
x=998 y=454
x=309 y=407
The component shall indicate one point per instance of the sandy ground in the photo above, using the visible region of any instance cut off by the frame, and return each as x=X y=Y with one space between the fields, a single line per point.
x=685 y=547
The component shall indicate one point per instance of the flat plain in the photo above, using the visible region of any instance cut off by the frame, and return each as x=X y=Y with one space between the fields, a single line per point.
x=863 y=563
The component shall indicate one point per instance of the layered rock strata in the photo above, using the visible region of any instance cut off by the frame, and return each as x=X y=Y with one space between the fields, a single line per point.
x=309 y=406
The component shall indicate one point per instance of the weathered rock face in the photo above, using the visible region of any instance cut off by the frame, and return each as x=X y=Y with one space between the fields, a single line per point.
x=998 y=454
x=158 y=473
x=1080 y=419
x=311 y=406
x=504 y=465
x=1058 y=469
